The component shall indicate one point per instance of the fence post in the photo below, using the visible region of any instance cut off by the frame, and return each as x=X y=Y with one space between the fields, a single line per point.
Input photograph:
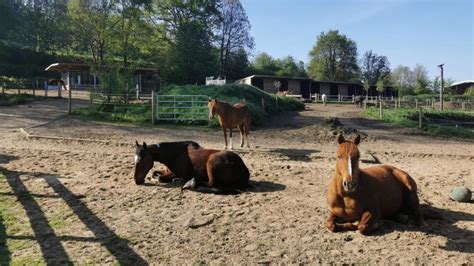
x=263 y=105
x=420 y=118
x=276 y=100
x=45 y=89
x=353 y=98
x=153 y=107
x=416 y=104
x=381 y=110
x=432 y=103
x=463 y=105
x=69 y=101
x=18 y=88
x=3 y=88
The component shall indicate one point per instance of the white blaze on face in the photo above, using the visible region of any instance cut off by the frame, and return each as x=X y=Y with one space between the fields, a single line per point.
x=136 y=159
x=349 y=166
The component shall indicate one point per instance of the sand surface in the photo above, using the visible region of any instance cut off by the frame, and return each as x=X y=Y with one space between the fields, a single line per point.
x=105 y=218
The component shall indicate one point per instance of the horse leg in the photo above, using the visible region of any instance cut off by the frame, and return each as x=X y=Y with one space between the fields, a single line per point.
x=241 y=129
x=230 y=138
x=225 y=137
x=164 y=176
x=246 y=130
x=368 y=223
x=333 y=226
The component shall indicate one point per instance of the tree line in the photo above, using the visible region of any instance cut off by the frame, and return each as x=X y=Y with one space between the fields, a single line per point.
x=187 y=40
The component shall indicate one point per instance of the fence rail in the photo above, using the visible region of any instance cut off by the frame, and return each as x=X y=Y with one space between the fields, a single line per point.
x=181 y=107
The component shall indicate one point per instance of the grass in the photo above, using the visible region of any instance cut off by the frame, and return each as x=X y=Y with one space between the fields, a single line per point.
x=13 y=99
x=432 y=121
x=14 y=221
x=141 y=113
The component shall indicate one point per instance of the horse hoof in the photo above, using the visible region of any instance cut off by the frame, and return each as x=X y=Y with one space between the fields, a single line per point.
x=191 y=184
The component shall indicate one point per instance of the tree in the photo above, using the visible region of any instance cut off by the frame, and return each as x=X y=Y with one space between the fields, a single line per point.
x=192 y=57
x=374 y=67
x=403 y=79
x=334 y=57
x=92 y=27
x=233 y=34
x=422 y=82
x=264 y=64
x=380 y=86
x=366 y=87
x=287 y=66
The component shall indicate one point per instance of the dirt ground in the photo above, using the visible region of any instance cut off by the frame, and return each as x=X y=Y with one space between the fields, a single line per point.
x=78 y=203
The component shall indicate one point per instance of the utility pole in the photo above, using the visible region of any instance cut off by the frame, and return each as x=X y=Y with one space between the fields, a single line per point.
x=441 y=89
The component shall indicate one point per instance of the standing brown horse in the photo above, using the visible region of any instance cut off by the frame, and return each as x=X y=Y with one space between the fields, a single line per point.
x=213 y=171
x=230 y=116
x=359 y=198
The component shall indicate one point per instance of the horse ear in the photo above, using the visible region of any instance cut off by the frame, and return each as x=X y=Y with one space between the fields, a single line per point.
x=136 y=142
x=340 y=138
x=144 y=145
x=357 y=139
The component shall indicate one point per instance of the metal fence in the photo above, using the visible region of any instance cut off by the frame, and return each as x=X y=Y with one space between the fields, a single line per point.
x=181 y=107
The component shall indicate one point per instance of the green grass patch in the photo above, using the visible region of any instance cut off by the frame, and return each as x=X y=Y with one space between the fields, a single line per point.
x=14 y=221
x=444 y=123
x=133 y=113
x=14 y=99
x=141 y=113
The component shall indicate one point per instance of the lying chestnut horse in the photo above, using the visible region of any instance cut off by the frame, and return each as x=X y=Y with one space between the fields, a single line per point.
x=213 y=171
x=359 y=198
x=230 y=116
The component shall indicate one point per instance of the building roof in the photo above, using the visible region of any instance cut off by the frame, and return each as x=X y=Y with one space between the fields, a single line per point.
x=462 y=82
x=299 y=78
x=81 y=67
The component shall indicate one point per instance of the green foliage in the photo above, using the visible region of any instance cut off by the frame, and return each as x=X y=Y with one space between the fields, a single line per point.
x=133 y=113
x=264 y=64
x=374 y=67
x=380 y=86
x=366 y=86
x=409 y=118
x=334 y=57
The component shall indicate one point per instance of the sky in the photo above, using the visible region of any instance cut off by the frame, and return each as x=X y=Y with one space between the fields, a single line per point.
x=407 y=32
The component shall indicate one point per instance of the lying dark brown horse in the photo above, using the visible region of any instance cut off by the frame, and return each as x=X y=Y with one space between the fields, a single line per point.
x=359 y=198
x=230 y=116
x=221 y=172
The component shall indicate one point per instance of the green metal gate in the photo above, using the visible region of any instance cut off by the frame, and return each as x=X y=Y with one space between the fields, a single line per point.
x=182 y=108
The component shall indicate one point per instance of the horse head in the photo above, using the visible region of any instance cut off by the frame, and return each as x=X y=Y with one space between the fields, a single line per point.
x=143 y=162
x=347 y=162
x=212 y=106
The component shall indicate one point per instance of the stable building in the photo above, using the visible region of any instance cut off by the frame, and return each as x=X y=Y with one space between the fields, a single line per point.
x=307 y=86
x=79 y=76
x=461 y=87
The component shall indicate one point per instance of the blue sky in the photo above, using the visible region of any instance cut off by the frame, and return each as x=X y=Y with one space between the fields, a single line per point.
x=408 y=32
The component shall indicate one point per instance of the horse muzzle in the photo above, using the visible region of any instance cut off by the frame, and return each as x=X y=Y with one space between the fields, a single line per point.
x=349 y=186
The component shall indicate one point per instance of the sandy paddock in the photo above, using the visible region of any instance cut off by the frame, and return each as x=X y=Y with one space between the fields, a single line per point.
x=77 y=200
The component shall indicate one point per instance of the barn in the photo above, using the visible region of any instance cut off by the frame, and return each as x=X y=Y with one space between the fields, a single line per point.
x=307 y=86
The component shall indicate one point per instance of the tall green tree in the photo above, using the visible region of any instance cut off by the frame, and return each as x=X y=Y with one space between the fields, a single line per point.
x=334 y=57
x=374 y=67
x=403 y=79
x=92 y=27
x=192 y=57
x=264 y=64
x=287 y=66
x=233 y=34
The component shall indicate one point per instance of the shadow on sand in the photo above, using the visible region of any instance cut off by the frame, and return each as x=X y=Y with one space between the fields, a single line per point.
x=50 y=244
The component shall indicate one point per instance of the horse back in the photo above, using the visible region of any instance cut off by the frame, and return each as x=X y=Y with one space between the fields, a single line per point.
x=390 y=185
x=229 y=170
x=235 y=115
